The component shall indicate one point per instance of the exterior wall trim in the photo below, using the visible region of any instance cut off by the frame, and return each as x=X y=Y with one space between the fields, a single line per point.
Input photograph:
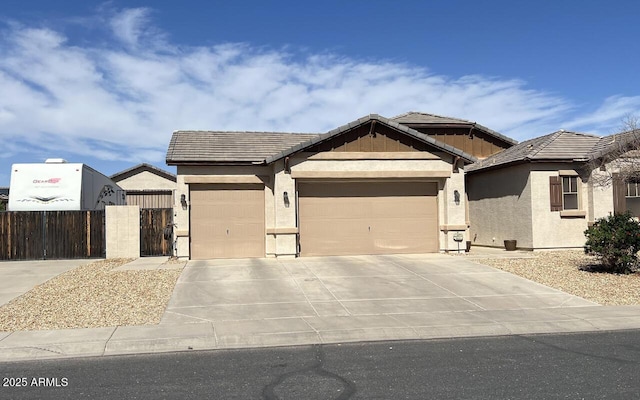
x=282 y=231
x=446 y=228
x=573 y=213
x=225 y=179
x=335 y=155
x=368 y=174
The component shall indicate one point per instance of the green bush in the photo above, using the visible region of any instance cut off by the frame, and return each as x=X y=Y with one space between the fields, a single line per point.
x=615 y=240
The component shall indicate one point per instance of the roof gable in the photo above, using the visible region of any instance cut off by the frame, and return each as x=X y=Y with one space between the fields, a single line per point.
x=129 y=172
x=323 y=142
x=372 y=137
x=414 y=119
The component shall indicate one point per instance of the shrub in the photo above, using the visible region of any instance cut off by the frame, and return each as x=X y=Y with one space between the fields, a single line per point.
x=615 y=240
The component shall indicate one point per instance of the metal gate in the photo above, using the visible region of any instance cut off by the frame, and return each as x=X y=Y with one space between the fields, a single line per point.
x=155 y=223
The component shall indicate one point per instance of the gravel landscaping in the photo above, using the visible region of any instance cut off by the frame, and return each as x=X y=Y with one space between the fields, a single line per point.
x=571 y=272
x=92 y=296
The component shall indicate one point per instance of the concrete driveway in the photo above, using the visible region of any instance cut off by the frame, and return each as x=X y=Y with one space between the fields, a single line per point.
x=18 y=277
x=399 y=296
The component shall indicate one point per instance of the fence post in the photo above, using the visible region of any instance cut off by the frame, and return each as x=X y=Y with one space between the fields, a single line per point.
x=44 y=235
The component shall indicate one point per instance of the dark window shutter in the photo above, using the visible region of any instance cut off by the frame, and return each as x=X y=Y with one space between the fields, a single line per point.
x=619 y=192
x=555 y=193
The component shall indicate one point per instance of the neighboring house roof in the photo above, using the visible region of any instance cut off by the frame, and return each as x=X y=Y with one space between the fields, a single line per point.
x=129 y=172
x=4 y=194
x=232 y=147
x=563 y=146
x=623 y=142
x=415 y=118
x=193 y=147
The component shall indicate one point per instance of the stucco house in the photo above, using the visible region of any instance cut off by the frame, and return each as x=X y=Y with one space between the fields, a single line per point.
x=373 y=186
x=147 y=186
x=545 y=192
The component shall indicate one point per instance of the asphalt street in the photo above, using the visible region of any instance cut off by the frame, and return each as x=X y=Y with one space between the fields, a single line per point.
x=572 y=366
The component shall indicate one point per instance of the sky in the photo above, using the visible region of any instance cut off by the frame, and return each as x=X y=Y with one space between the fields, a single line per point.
x=106 y=83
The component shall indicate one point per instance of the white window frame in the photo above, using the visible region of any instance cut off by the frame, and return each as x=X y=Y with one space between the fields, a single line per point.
x=636 y=190
x=573 y=191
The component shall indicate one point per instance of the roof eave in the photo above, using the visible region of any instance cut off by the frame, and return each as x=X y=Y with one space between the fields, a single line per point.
x=530 y=161
x=213 y=162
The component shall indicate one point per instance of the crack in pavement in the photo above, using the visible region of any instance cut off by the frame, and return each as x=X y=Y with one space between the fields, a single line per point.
x=349 y=388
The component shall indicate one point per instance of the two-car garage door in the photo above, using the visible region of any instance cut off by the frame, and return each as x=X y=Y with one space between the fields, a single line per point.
x=343 y=218
x=335 y=218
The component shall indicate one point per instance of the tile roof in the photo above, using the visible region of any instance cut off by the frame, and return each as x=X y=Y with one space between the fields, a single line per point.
x=118 y=176
x=558 y=146
x=232 y=147
x=415 y=117
x=420 y=118
x=266 y=147
x=617 y=144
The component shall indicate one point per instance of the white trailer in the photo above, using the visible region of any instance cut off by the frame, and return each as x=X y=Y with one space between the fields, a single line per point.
x=57 y=185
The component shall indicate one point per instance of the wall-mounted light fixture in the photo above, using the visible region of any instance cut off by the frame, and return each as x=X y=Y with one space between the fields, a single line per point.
x=456 y=197
x=285 y=196
x=183 y=200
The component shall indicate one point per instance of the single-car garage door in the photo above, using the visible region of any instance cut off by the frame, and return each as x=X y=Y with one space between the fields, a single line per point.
x=342 y=218
x=227 y=221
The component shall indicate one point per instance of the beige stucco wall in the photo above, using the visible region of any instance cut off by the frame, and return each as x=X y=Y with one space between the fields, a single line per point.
x=122 y=224
x=282 y=231
x=500 y=206
x=452 y=217
x=600 y=196
x=551 y=230
x=146 y=180
x=497 y=211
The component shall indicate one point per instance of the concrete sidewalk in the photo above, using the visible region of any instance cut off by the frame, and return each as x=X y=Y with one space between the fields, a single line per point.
x=29 y=345
x=18 y=277
x=254 y=303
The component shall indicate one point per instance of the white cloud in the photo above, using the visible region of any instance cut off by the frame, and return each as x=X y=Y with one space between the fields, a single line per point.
x=132 y=27
x=115 y=101
x=609 y=117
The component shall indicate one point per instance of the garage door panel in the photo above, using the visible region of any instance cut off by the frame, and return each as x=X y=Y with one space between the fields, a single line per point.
x=227 y=221
x=339 y=218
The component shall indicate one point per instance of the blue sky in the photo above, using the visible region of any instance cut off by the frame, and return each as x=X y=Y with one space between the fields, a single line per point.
x=106 y=83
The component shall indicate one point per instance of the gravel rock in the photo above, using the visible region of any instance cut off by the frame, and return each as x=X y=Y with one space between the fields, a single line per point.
x=92 y=296
x=569 y=271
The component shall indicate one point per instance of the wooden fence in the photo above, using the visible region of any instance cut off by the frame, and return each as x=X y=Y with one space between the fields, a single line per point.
x=153 y=222
x=34 y=235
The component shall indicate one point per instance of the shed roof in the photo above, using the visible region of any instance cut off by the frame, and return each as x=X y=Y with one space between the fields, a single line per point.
x=118 y=176
x=561 y=146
